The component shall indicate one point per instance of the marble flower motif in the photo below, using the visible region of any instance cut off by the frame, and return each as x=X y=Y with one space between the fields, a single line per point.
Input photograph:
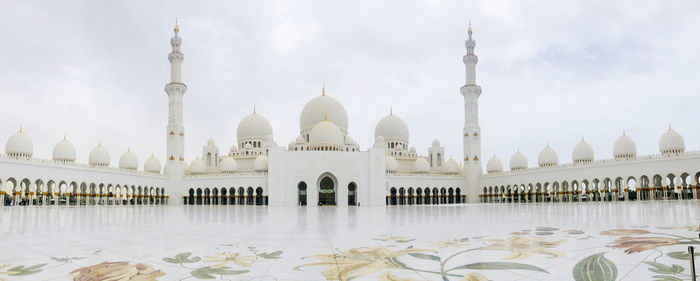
x=223 y=259
x=116 y=271
x=522 y=247
x=621 y=232
x=638 y=244
x=457 y=243
x=474 y=277
x=360 y=262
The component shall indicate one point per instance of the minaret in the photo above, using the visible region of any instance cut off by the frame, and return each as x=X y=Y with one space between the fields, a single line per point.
x=472 y=132
x=176 y=130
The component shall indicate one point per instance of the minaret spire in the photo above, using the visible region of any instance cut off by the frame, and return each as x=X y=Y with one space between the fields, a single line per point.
x=175 y=132
x=472 y=131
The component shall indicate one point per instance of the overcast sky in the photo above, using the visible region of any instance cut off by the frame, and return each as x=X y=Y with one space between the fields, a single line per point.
x=551 y=71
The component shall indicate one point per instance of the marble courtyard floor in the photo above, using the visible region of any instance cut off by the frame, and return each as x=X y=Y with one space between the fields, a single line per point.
x=563 y=241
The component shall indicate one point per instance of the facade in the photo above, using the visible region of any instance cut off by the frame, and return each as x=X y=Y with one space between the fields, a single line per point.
x=330 y=168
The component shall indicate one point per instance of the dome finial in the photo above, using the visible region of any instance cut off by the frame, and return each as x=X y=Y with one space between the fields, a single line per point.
x=64 y=136
x=323 y=89
x=20 y=128
x=470 y=27
x=325 y=117
x=623 y=132
x=582 y=140
x=253 y=108
x=391 y=110
x=128 y=149
x=669 y=127
x=177 y=28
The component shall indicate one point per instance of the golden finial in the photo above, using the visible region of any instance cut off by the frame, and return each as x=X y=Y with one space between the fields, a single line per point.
x=391 y=110
x=64 y=136
x=325 y=117
x=669 y=127
x=20 y=128
x=128 y=149
x=470 y=27
x=99 y=143
x=177 y=28
x=253 y=109
x=582 y=140
x=623 y=132
x=323 y=89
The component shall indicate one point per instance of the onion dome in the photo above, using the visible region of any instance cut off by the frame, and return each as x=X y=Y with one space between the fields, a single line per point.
x=152 y=165
x=494 y=165
x=64 y=151
x=228 y=165
x=583 y=152
x=518 y=161
x=421 y=165
x=314 y=110
x=253 y=126
x=99 y=156
x=451 y=166
x=260 y=164
x=547 y=157
x=436 y=143
x=210 y=142
x=19 y=145
x=233 y=148
x=392 y=128
x=379 y=142
x=412 y=149
x=128 y=161
x=291 y=145
x=197 y=166
x=624 y=147
x=326 y=133
x=349 y=140
x=391 y=164
x=300 y=139
x=671 y=142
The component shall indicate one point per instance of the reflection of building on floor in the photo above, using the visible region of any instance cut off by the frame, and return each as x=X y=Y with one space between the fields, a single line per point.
x=324 y=165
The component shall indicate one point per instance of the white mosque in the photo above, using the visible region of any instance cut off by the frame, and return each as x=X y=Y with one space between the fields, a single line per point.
x=330 y=168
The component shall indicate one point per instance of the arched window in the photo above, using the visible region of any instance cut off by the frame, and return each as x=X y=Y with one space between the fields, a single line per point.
x=301 y=189
x=352 y=196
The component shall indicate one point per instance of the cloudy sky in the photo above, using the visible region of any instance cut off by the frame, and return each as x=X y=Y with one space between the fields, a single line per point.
x=551 y=71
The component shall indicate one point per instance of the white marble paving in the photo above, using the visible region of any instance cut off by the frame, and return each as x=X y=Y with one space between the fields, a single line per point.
x=483 y=242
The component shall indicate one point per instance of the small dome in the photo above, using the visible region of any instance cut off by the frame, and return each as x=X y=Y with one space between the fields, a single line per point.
x=518 y=161
x=436 y=143
x=228 y=165
x=391 y=164
x=198 y=166
x=19 y=145
x=671 y=142
x=253 y=126
x=392 y=128
x=64 y=151
x=547 y=157
x=583 y=152
x=300 y=139
x=413 y=149
x=451 y=166
x=128 y=161
x=247 y=146
x=624 y=147
x=315 y=109
x=152 y=165
x=234 y=148
x=99 y=156
x=269 y=138
x=349 y=140
x=494 y=165
x=421 y=165
x=210 y=142
x=260 y=163
x=291 y=144
x=326 y=133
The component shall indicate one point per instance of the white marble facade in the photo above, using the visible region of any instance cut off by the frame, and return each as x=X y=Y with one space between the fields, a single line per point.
x=330 y=168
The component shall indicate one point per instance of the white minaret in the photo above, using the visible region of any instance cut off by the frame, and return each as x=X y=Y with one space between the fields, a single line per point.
x=176 y=130
x=472 y=132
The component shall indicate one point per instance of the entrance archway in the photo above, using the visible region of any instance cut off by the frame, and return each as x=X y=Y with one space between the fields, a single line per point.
x=326 y=190
x=301 y=187
x=352 y=194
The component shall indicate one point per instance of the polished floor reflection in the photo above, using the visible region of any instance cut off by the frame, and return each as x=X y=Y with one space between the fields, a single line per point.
x=545 y=241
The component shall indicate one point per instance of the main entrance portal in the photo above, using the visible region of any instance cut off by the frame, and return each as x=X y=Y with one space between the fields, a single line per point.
x=326 y=192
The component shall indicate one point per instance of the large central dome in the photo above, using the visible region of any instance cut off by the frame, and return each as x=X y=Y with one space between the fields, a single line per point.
x=320 y=106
